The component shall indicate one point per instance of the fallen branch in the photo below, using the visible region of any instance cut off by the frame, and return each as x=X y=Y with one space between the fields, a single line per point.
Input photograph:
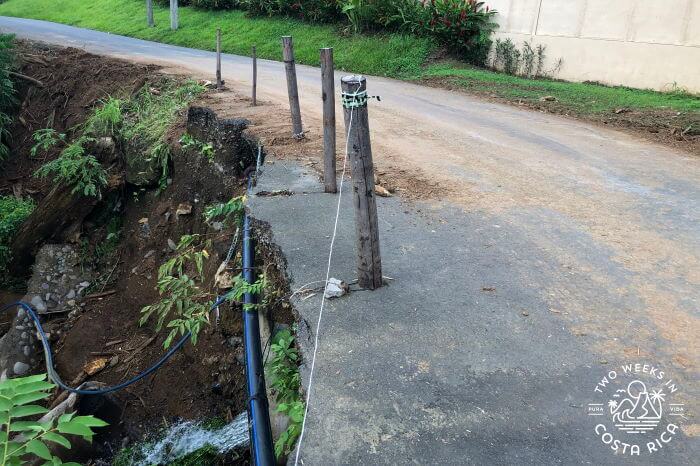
x=26 y=78
x=99 y=295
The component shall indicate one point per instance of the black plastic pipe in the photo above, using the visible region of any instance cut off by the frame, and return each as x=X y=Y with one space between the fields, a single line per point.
x=258 y=406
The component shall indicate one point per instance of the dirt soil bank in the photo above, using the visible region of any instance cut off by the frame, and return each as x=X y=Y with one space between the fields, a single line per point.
x=200 y=382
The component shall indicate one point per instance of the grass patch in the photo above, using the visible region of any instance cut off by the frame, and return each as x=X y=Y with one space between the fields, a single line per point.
x=581 y=98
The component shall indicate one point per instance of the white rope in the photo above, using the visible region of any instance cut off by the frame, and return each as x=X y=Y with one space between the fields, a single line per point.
x=323 y=297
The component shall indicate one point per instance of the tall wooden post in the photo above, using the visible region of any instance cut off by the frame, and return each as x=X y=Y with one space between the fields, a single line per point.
x=149 y=13
x=328 y=96
x=218 y=58
x=369 y=261
x=292 y=90
x=173 y=15
x=255 y=77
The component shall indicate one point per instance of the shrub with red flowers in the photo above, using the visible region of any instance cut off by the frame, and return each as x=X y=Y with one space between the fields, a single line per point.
x=465 y=26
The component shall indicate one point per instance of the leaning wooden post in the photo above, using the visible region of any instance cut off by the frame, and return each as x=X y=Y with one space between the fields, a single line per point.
x=173 y=14
x=328 y=96
x=149 y=13
x=292 y=90
x=255 y=77
x=369 y=261
x=218 y=58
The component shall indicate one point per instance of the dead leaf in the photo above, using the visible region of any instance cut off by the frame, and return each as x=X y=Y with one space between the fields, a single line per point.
x=184 y=209
x=381 y=191
x=95 y=366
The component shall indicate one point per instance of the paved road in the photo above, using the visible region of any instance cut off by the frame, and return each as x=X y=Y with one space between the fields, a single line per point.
x=569 y=226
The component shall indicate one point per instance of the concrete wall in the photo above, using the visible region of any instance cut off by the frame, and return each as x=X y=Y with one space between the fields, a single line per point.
x=638 y=43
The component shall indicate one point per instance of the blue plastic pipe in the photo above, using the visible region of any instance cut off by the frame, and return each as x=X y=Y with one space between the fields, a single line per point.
x=258 y=407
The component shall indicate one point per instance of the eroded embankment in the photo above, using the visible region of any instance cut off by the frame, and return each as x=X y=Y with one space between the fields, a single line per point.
x=159 y=166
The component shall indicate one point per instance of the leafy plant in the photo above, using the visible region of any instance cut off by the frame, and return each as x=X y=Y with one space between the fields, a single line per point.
x=527 y=62
x=13 y=212
x=230 y=213
x=76 y=168
x=283 y=371
x=106 y=119
x=7 y=90
x=465 y=26
x=21 y=438
x=45 y=139
x=205 y=149
x=181 y=284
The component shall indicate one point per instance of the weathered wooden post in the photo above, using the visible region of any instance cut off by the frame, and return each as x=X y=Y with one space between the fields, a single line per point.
x=328 y=96
x=149 y=13
x=292 y=90
x=173 y=15
x=255 y=77
x=218 y=58
x=369 y=261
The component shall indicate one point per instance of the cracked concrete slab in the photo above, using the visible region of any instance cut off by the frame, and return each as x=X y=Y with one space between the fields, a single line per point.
x=461 y=358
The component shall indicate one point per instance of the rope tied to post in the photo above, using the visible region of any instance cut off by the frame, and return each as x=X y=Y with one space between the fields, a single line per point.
x=357 y=99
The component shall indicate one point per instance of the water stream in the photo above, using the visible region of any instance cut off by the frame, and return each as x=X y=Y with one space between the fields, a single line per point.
x=186 y=437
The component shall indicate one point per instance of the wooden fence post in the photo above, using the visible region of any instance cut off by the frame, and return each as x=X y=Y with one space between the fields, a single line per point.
x=369 y=261
x=328 y=96
x=149 y=13
x=218 y=59
x=292 y=90
x=173 y=15
x=255 y=77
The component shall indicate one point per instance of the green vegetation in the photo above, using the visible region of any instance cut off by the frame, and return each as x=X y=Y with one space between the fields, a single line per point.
x=148 y=116
x=182 y=282
x=20 y=438
x=141 y=121
x=74 y=167
x=283 y=371
x=205 y=149
x=7 y=91
x=581 y=98
x=13 y=212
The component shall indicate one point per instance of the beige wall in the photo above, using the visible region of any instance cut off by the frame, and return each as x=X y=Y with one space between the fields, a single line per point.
x=639 y=43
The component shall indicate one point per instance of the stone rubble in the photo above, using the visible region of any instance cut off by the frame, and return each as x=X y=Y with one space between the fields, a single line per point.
x=56 y=286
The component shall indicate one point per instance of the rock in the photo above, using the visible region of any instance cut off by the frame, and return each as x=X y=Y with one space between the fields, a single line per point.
x=183 y=209
x=235 y=342
x=71 y=294
x=38 y=304
x=548 y=98
x=222 y=278
x=335 y=288
x=172 y=245
x=621 y=110
x=20 y=368
x=380 y=190
x=144 y=228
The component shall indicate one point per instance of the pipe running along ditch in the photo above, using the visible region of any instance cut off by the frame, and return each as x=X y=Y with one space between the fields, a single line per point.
x=260 y=431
